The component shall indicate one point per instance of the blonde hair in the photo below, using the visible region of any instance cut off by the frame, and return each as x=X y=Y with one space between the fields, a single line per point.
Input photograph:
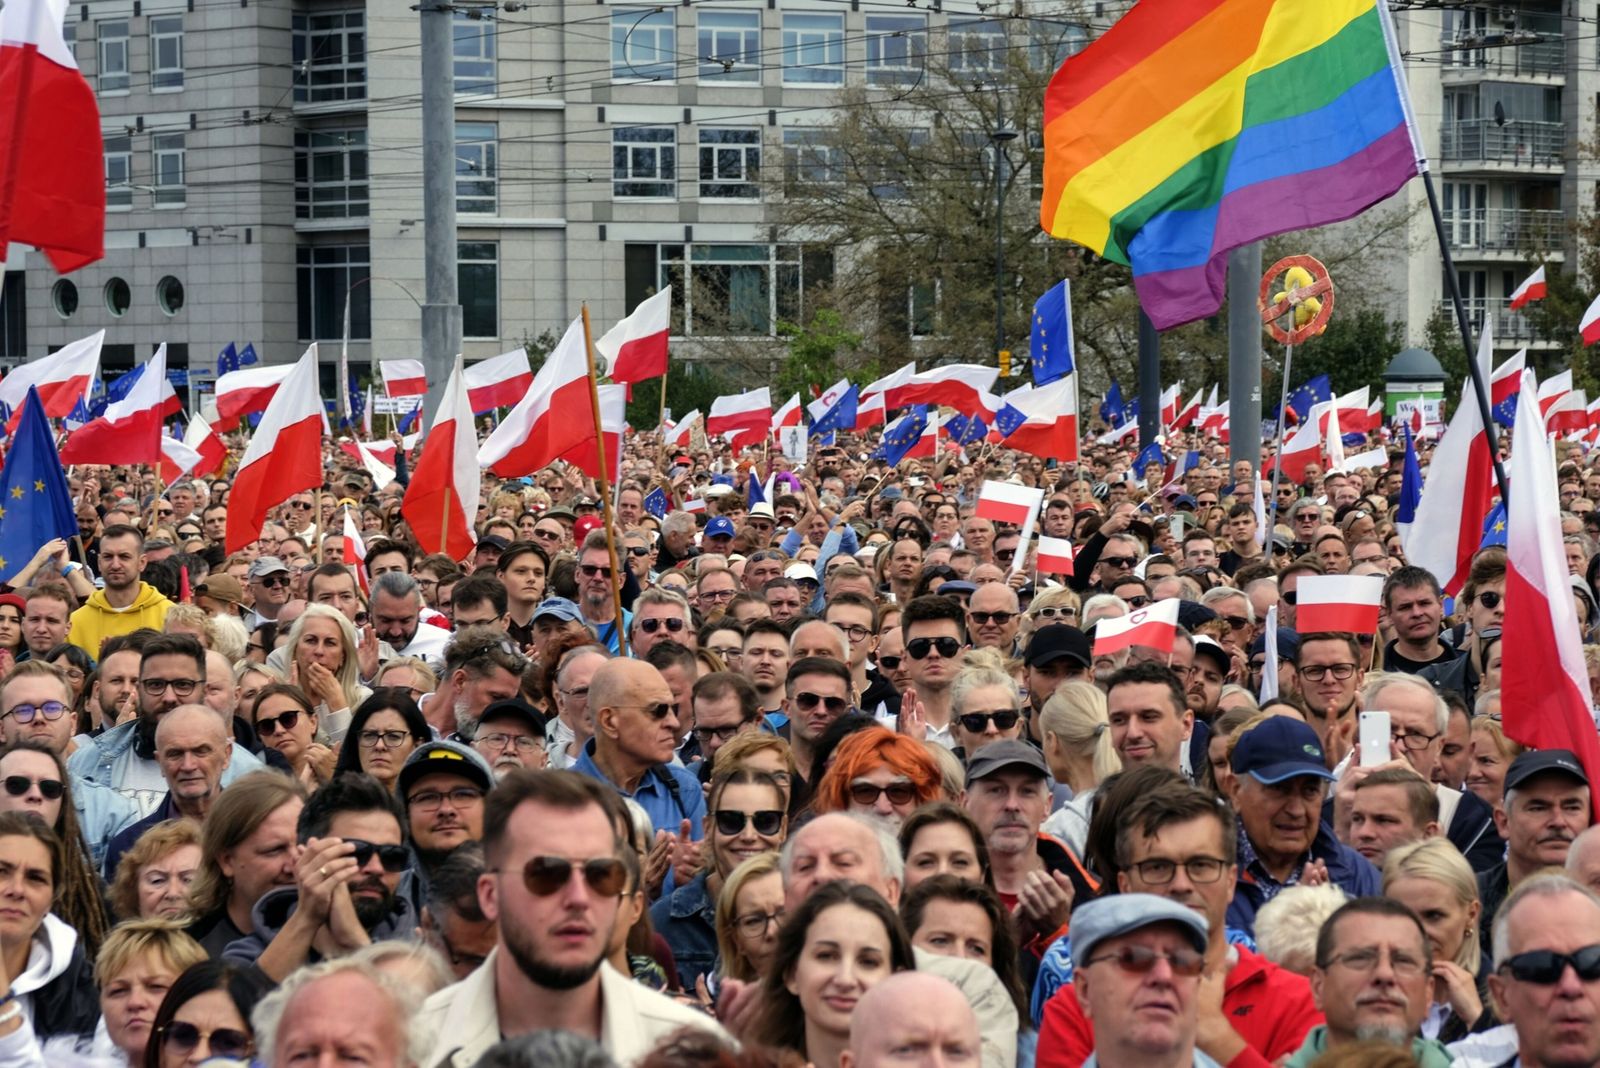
x=1509 y=750
x=734 y=963
x=135 y=938
x=1287 y=926
x=1438 y=860
x=191 y=616
x=151 y=846
x=349 y=673
x=952 y=773
x=1076 y=714
x=229 y=636
x=421 y=672
x=748 y=744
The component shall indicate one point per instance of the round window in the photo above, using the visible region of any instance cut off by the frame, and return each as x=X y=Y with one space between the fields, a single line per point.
x=64 y=295
x=118 y=297
x=169 y=294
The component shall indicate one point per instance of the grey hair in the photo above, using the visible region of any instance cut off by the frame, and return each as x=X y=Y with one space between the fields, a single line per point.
x=1480 y=707
x=430 y=964
x=1223 y=593
x=397 y=584
x=658 y=596
x=1378 y=681
x=1099 y=602
x=976 y=676
x=572 y=654
x=229 y=636
x=269 y=1014
x=834 y=633
x=546 y=1049
x=894 y=865
x=678 y=523
x=1544 y=885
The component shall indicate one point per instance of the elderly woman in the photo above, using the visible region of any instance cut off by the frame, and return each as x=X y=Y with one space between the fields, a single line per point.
x=324 y=663
x=153 y=878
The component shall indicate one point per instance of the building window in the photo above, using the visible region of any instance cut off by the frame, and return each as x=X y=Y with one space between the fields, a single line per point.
x=119 y=171
x=170 y=170
x=810 y=158
x=722 y=290
x=730 y=164
x=1050 y=43
x=166 y=52
x=63 y=297
x=111 y=38
x=474 y=55
x=891 y=179
x=169 y=295
x=977 y=46
x=477 y=168
x=644 y=162
x=643 y=45
x=478 y=286
x=730 y=47
x=118 y=297
x=330 y=57
x=330 y=174
x=897 y=47
x=324 y=275
x=813 y=49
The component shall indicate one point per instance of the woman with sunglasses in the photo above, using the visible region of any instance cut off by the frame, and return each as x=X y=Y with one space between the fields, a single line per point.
x=879 y=773
x=745 y=817
x=206 y=1014
x=153 y=878
x=1058 y=605
x=284 y=720
x=843 y=940
x=1435 y=881
x=324 y=663
x=384 y=730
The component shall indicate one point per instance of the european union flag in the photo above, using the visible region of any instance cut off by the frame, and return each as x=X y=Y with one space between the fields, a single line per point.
x=1150 y=454
x=903 y=435
x=1494 y=528
x=358 y=400
x=35 y=506
x=655 y=502
x=1405 y=509
x=1130 y=412
x=842 y=416
x=1316 y=391
x=247 y=356
x=409 y=420
x=1051 y=343
x=227 y=360
x=1007 y=419
x=827 y=440
x=78 y=416
x=1505 y=413
x=115 y=390
x=1111 y=409
x=964 y=430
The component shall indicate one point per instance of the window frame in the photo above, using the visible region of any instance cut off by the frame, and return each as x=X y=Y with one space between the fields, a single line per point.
x=666 y=172
x=314 y=262
x=481 y=139
x=119 y=194
x=482 y=33
x=706 y=40
x=119 y=81
x=799 y=39
x=350 y=147
x=305 y=31
x=642 y=29
x=467 y=309
x=165 y=79
x=739 y=145
x=175 y=146
x=896 y=75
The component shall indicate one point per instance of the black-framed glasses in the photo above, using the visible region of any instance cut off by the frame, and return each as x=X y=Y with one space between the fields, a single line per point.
x=157 y=687
x=1160 y=872
x=889 y=663
x=274 y=724
x=1237 y=622
x=522 y=743
x=432 y=800
x=807 y=701
x=721 y=734
x=1415 y=742
x=1545 y=966
x=997 y=618
x=546 y=875
x=301 y=506
x=658 y=710
x=394 y=858
x=1489 y=599
x=49 y=789
x=1119 y=562
x=1138 y=960
x=978 y=722
x=50 y=710
x=731 y=821
x=919 y=648
x=633 y=550
x=755 y=924
x=855 y=632
x=674 y=625
x=182 y=1037
x=1318 y=672
x=867 y=793
x=390 y=739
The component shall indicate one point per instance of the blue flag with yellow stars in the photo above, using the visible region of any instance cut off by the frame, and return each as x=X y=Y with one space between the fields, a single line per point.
x=1051 y=344
x=35 y=506
x=900 y=436
x=1494 y=528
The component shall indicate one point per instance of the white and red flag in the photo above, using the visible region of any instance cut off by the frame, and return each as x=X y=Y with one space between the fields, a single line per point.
x=1189 y=412
x=1531 y=289
x=1055 y=556
x=198 y=438
x=636 y=348
x=1569 y=413
x=1050 y=426
x=613 y=420
x=441 y=503
x=130 y=431
x=1171 y=397
x=554 y=415
x=678 y=434
x=1007 y=502
x=1300 y=450
x=1553 y=390
x=1507 y=378
x=743 y=419
x=1151 y=627
x=889 y=383
x=54 y=196
x=788 y=415
x=355 y=550
x=1543 y=662
x=1343 y=603
x=62 y=378
x=177 y=458
x=961 y=386
x=403 y=378
x=285 y=453
x=870 y=412
x=246 y=391
x=500 y=381
x=1589 y=326
x=376 y=457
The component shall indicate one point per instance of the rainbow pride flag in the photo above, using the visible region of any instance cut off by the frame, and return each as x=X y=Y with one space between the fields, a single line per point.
x=1192 y=127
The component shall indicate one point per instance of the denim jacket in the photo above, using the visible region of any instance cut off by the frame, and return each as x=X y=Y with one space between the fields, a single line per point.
x=687 y=919
x=106 y=758
x=102 y=812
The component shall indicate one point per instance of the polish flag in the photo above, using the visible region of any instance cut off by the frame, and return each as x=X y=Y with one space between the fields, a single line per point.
x=1334 y=440
x=871 y=412
x=1213 y=416
x=636 y=348
x=678 y=434
x=1448 y=525
x=1055 y=556
x=403 y=378
x=1352 y=408
x=555 y=414
x=1543 y=651
x=177 y=459
x=62 y=378
x=694 y=506
x=1569 y=413
x=1589 y=327
x=441 y=503
x=927 y=446
x=200 y=437
x=1007 y=502
x=1552 y=390
x=1170 y=399
x=285 y=453
x=1375 y=414
x=251 y=389
x=614 y=419
x=355 y=551
x=1050 y=429
x=1507 y=378
x=744 y=418
x=372 y=460
x=130 y=432
x=1344 y=603
x=961 y=386
x=889 y=383
x=1531 y=289
x=500 y=381
x=1127 y=430
x=1151 y=627
x=1189 y=412
x=1302 y=449
x=788 y=415
x=50 y=128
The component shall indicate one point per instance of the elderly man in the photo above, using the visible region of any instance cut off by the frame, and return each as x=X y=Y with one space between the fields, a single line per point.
x=660 y=616
x=1546 y=981
x=397 y=614
x=993 y=617
x=511 y=737
x=570 y=729
x=269 y=590
x=596 y=599
x=1546 y=806
x=308 y=1020
x=912 y=1020
x=193 y=749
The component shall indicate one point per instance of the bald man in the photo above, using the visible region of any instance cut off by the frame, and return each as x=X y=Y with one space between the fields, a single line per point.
x=1583 y=858
x=912 y=1020
x=193 y=750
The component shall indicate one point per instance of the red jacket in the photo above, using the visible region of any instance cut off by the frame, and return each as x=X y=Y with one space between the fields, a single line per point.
x=1270 y=1007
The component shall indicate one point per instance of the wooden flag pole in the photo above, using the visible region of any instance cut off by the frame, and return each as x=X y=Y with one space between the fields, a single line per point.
x=604 y=484
x=322 y=535
x=444 y=520
x=661 y=412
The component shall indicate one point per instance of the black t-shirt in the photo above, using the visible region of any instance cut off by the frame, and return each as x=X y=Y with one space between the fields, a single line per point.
x=1393 y=661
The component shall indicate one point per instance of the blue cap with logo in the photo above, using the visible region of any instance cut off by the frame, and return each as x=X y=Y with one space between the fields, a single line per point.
x=719 y=527
x=1277 y=749
x=557 y=608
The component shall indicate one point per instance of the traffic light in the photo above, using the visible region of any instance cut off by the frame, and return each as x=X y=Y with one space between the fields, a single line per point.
x=1005 y=363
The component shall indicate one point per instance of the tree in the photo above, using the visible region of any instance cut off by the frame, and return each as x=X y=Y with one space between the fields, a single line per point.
x=819 y=352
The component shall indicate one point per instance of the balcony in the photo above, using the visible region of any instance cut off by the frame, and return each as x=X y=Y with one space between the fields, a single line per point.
x=1510 y=327
x=1518 y=143
x=1510 y=230
x=1505 y=53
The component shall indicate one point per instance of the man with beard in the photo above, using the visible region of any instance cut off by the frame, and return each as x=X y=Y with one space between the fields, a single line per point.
x=511 y=736
x=126 y=603
x=442 y=785
x=350 y=859
x=397 y=614
x=480 y=667
x=553 y=889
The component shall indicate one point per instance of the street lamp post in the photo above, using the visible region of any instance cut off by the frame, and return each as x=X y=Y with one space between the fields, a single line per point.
x=999 y=137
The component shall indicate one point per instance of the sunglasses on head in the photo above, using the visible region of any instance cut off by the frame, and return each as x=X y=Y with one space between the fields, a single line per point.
x=394 y=858
x=650 y=626
x=182 y=1038
x=867 y=793
x=274 y=724
x=730 y=821
x=605 y=876
x=808 y=701
x=978 y=722
x=1546 y=966
x=50 y=789
x=920 y=647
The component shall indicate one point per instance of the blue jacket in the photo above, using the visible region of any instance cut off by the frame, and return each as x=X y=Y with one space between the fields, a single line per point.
x=1347 y=869
x=105 y=758
x=668 y=793
x=687 y=919
x=124 y=839
x=102 y=812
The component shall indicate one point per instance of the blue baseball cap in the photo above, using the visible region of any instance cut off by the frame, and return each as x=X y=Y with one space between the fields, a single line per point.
x=557 y=608
x=1280 y=748
x=719 y=527
x=1111 y=917
x=1288 y=644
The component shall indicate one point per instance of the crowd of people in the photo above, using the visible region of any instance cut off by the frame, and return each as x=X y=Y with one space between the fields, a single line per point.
x=835 y=778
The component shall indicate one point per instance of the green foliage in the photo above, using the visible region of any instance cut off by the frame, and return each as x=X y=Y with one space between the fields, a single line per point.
x=1353 y=352
x=689 y=386
x=819 y=355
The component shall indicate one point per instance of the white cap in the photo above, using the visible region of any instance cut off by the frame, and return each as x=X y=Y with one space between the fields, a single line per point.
x=800 y=570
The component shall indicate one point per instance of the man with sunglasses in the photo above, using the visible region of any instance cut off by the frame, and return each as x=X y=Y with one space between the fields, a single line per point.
x=269 y=588
x=934 y=637
x=595 y=596
x=192 y=750
x=1546 y=981
x=993 y=616
x=660 y=616
x=126 y=603
x=817 y=692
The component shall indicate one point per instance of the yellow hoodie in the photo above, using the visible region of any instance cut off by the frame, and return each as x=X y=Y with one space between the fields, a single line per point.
x=96 y=620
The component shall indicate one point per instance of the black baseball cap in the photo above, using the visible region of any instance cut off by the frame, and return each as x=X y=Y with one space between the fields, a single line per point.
x=514 y=708
x=1539 y=761
x=1056 y=642
x=1006 y=753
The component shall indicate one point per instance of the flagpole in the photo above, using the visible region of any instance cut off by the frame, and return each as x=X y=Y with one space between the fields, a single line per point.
x=317 y=524
x=444 y=520
x=605 y=491
x=1277 y=452
x=661 y=412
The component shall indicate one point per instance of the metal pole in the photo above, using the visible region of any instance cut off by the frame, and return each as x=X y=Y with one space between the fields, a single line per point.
x=1277 y=451
x=1244 y=357
x=1149 y=380
x=999 y=138
x=605 y=490
x=441 y=310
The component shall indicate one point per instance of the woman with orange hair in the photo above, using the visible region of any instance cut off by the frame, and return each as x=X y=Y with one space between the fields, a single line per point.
x=880 y=773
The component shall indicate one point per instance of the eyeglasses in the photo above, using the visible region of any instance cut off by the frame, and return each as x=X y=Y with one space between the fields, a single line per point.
x=721 y=734
x=920 y=647
x=274 y=724
x=808 y=701
x=1489 y=599
x=1119 y=562
x=867 y=793
x=633 y=550
x=1237 y=622
x=394 y=858
x=650 y=626
x=522 y=743
x=1415 y=742
x=755 y=924
x=274 y=581
x=716 y=595
x=657 y=711
x=1318 y=672
x=432 y=800
x=1546 y=966
x=1160 y=872
x=50 y=710
x=50 y=789
x=591 y=570
x=978 y=722
x=889 y=663
x=301 y=506
x=731 y=821
x=544 y=876
x=1138 y=960
x=1051 y=612
x=728 y=653
x=1138 y=600
x=547 y=535
x=182 y=1038
x=985 y=618
x=157 y=687
x=390 y=739
x=856 y=633
x=1365 y=960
